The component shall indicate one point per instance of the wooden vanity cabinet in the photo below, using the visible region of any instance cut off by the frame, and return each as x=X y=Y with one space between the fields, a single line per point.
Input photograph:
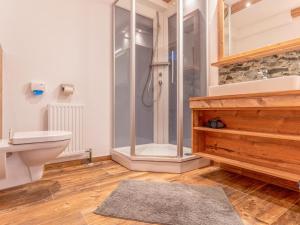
x=261 y=138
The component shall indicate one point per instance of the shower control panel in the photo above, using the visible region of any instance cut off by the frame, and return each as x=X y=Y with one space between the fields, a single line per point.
x=160 y=79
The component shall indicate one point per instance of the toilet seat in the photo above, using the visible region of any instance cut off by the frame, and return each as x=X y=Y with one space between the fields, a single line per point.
x=20 y=138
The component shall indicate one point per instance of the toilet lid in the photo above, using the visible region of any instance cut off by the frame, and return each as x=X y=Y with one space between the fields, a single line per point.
x=39 y=137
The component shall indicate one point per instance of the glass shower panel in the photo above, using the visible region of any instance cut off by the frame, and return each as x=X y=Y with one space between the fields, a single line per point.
x=122 y=74
x=144 y=85
x=172 y=42
x=145 y=79
x=194 y=74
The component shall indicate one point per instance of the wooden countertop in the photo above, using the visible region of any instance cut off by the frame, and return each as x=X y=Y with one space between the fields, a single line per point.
x=261 y=94
x=284 y=99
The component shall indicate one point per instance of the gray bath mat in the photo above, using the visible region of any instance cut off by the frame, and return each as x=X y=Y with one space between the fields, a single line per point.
x=169 y=203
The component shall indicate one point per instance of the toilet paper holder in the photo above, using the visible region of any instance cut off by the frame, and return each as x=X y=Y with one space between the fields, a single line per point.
x=67 y=89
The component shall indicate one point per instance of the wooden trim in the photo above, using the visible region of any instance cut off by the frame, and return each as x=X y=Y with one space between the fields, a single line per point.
x=262 y=94
x=282 y=47
x=76 y=162
x=288 y=100
x=295 y=12
x=239 y=6
x=221 y=36
x=1 y=92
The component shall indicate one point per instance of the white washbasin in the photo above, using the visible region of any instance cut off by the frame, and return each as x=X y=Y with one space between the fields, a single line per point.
x=285 y=83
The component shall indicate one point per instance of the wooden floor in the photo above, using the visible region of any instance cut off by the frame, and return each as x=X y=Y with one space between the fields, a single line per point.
x=68 y=196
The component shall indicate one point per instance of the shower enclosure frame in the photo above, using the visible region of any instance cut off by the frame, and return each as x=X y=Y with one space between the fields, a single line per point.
x=179 y=38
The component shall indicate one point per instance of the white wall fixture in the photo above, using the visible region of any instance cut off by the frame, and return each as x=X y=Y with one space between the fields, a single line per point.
x=38 y=88
x=68 y=89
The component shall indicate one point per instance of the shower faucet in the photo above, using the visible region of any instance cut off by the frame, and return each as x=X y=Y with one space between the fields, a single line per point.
x=160 y=79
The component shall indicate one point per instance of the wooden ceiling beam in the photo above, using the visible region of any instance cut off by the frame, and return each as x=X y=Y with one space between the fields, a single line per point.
x=295 y=12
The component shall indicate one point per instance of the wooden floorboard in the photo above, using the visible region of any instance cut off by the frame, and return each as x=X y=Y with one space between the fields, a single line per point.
x=69 y=195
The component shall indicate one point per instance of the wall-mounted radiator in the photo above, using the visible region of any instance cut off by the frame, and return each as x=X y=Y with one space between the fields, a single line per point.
x=69 y=117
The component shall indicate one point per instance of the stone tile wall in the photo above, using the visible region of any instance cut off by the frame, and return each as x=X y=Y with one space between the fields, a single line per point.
x=277 y=65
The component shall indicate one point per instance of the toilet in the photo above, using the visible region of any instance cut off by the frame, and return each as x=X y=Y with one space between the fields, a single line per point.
x=23 y=156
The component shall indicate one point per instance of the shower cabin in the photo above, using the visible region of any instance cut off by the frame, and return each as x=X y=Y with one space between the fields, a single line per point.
x=159 y=62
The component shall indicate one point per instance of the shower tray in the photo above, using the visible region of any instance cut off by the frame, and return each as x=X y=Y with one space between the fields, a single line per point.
x=158 y=158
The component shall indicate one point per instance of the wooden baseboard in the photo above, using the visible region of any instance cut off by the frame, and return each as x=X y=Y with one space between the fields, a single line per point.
x=75 y=162
x=268 y=179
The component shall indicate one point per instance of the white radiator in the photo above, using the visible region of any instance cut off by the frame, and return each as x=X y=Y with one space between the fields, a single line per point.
x=69 y=117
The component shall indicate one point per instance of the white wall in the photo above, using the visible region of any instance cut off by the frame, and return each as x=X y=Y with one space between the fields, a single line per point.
x=273 y=30
x=57 y=41
x=213 y=73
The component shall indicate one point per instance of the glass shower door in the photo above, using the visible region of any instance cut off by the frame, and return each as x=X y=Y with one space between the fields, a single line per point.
x=121 y=126
x=194 y=73
x=144 y=84
x=193 y=82
x=172 y=84
x=152 y=82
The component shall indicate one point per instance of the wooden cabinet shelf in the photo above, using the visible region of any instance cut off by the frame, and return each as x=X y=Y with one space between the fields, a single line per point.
x=249 y=166
x=250 y=133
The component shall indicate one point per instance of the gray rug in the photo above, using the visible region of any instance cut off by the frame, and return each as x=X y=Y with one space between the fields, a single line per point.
x=169 y=203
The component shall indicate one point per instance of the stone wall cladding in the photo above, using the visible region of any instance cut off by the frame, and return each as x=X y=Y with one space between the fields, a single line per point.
x=279 y=65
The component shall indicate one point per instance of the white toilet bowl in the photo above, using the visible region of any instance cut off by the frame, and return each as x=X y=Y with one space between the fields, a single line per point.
x=22 y=158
